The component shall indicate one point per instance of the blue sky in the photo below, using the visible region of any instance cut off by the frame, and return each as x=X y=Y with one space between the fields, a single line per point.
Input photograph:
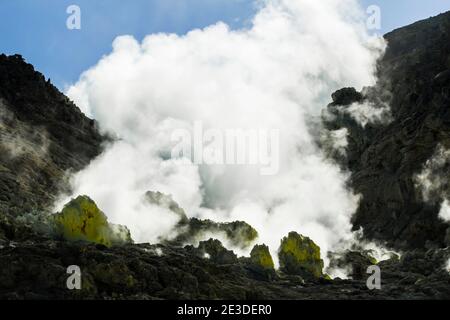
x=37 y=28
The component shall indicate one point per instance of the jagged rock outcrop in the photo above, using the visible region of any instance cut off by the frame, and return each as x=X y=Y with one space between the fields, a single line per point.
x=260 y=256
x=82 y=220
x=385 y=156
x=299 y=255
x=261 y=262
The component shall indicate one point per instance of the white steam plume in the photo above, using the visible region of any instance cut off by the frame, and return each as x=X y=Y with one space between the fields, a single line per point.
x=18 y=139
x=444 y=213
x=366 y=112
x=277 y=74
x=432 y=180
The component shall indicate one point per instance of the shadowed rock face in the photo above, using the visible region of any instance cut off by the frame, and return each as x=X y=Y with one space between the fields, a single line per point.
x=42 y=134
x=142 y=271
x=384 y=158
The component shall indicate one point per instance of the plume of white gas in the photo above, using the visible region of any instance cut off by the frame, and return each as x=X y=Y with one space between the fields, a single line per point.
x=277 y=74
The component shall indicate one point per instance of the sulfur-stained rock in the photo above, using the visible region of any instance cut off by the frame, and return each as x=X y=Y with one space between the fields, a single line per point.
x=299 y=255
x=81 y=219
x=260 y=256
x=261 y=262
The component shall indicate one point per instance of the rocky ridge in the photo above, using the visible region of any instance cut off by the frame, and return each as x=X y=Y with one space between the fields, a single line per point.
x=385 y=156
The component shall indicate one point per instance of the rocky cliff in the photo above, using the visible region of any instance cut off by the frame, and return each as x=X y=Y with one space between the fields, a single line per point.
x=386 y=156
x=43 y=135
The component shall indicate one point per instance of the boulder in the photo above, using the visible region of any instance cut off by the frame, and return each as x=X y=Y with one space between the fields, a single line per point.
x=82 y=220
x=346 y=96
x=299 y=255
x=261 y=257
x=261 y=262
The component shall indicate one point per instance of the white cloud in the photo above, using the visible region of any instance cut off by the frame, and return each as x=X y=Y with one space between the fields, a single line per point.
x=279 y=73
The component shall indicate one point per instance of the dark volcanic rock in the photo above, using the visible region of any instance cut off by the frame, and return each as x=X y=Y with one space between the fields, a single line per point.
x=37 y=270
x=346 y=96
x=214 y=250
x=261 y=263
x=384 y=158
x=42 y=135
x=355 y=262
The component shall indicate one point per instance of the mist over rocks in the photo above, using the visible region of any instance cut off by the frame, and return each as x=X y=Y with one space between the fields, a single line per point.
x=213 y=250
x=163 y=200
x=385 y=157
x=43 y=135
x=355 y=263
x=237 y=234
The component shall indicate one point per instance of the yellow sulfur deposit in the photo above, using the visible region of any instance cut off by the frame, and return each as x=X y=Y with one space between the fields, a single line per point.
x=260 y=256
x=300 y=255
x=81 y=219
